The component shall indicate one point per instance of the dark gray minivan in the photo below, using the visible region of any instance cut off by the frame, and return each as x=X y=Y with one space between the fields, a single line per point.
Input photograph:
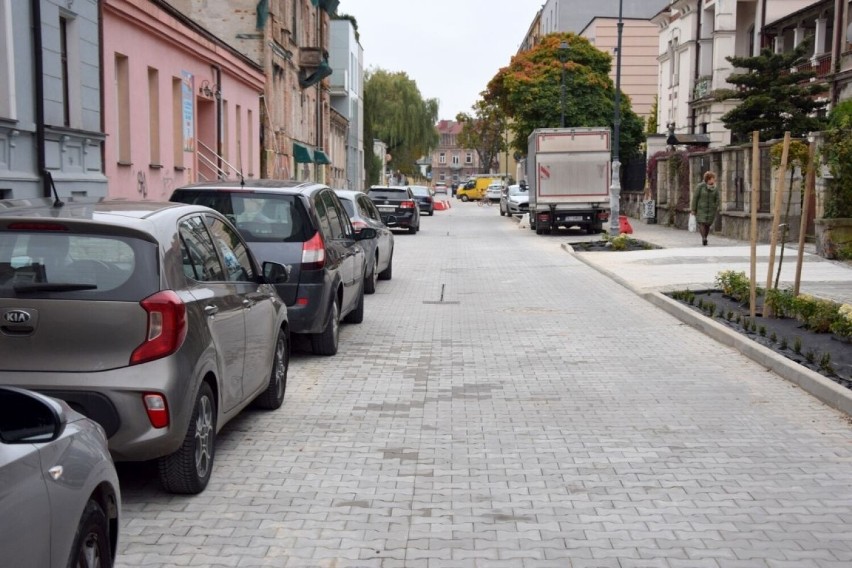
x=304 y=226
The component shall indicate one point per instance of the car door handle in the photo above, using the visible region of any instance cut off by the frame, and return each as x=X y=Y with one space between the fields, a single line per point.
x=211 y=310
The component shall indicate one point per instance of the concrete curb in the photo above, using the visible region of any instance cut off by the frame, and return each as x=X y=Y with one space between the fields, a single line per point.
x=822 y=388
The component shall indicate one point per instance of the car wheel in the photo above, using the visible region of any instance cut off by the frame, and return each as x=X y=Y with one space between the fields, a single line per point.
x=387 y=273
x=325 y=342
x=356 y=315
x=273 y=396
x=464 y=198
x=412 y=230
x=502 y=213
x=188 y=470
x=371 y=278
x=91 y=544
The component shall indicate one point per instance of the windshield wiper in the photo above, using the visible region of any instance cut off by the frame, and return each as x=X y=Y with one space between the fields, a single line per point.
x=53 y=287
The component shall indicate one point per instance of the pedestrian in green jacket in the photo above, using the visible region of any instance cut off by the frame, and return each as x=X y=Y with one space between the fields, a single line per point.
x=705 y=204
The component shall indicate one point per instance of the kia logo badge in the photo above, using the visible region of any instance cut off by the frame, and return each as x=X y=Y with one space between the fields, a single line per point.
x=17 y=316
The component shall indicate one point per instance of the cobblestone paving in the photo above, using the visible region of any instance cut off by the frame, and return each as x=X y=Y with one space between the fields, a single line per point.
x=540 y=415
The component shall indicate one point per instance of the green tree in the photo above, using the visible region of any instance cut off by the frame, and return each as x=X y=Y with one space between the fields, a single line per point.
x=773 y=98
x=528 y=91
x=396 y=113
x=651 y=127
x=483 y=132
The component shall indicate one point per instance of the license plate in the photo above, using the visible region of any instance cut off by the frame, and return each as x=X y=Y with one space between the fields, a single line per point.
x=573 y=218
x=387 y=208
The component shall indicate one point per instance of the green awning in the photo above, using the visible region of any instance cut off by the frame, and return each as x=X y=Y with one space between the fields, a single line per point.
x=321 y=157
x=320 y=73
x=329 y=6
x=302 y=154
x=315 y=2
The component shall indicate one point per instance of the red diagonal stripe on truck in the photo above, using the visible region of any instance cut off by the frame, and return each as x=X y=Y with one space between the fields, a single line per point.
x=544 y=172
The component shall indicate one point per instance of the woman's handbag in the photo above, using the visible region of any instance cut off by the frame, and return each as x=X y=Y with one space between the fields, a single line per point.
x=693 y=223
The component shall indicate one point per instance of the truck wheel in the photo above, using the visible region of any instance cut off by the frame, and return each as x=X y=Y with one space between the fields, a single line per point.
x=465 y=198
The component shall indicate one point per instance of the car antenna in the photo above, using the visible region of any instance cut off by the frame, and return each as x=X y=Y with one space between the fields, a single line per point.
x=56 y=201
x=240 y=171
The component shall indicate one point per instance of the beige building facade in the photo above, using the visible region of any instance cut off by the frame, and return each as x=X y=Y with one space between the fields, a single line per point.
x=289 y=39
x=639 y=41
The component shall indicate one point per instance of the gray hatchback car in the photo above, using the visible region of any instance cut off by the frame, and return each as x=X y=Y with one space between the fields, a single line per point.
x=59 y=494
x=153 y=319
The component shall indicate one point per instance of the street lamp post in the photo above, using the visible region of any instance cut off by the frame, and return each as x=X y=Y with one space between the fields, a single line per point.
x=615 y=187
x=563 y=58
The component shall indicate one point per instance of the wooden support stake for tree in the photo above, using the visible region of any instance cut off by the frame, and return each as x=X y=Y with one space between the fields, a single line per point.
x=776 y=216
x=755 y=202
x=810 y=182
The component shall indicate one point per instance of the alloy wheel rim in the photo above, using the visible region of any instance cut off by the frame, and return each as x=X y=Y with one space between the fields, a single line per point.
x=90 y=556
x=203 y=436
x=280 y=366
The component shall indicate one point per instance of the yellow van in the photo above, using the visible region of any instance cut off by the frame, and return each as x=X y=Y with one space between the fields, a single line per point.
x=474 y=188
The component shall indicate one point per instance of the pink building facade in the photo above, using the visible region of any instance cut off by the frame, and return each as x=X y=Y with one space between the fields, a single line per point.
x=179 y=105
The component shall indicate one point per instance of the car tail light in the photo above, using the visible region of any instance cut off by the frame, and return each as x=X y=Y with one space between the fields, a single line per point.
x=543 y=217
x=603 y=215
x=166 y=327
x=157 y=409
x=313 y=253
x=429 y=200
x=408 y=205
x=358 y=225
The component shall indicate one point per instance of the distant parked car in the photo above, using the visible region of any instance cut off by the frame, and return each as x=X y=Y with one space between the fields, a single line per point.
x=153 y=319
x=397 y=206
x=59 y=497
x=363 y=213
x=441 y=188
x=515 y=200
x=493 y=192
x=425 y=199
x=304 y=226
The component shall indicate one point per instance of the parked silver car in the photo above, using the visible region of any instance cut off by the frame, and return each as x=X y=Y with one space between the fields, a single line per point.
x=153 y=319
x=364 y=214
x=515 y=200
x=59 y=493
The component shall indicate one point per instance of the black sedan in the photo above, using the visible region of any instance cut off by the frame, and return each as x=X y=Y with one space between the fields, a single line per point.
x=424 y=198
x=363 y=214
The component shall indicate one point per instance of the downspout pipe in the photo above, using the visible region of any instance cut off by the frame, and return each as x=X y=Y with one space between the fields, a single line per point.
x=837 y=47
x=319 y=95
x=697 y=73
x=38 y=81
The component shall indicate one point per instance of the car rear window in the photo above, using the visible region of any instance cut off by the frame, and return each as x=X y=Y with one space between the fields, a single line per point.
x=76 y=266
x=420 y=191
x=259 y=217
x=388 y=193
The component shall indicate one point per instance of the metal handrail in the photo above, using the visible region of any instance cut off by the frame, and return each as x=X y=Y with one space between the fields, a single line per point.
x=222 y=173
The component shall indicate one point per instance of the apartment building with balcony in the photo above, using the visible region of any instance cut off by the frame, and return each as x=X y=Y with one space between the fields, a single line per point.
x=346 y=57
x=289 y=39
x=695 y=39
x=50 y=113
x=450 y=162
x=195 y=102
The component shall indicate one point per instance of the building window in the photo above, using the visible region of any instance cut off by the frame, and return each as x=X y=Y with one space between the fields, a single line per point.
x=250 y=136
x=177 y=121
x=455 y=159
x=442 y=158
x=226 y=132
x=238 y=130
x=7 y=63
x=122 y=104
x=63 y=63
x=468 y=157
x=294 y=21
x=154 y=115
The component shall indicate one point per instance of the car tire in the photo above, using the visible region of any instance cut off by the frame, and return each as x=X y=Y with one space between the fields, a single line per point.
x=187 y=471
x=431 y=213
x=273 y=397
x=465 y=198
x=371 y=278
x=91 y=543
x=412 y=230
x=325 y=342
x=387 y=273
x=356 y=315
x=502 y=213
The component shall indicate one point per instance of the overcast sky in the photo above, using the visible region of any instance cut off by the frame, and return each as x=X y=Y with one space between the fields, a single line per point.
x=450 y=48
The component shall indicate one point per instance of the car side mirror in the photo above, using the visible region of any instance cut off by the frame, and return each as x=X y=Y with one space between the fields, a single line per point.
x=29 y=418
x=275 y=272
x=366 y=233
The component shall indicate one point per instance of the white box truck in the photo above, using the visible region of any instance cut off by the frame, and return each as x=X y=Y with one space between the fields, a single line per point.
x=568 y=174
